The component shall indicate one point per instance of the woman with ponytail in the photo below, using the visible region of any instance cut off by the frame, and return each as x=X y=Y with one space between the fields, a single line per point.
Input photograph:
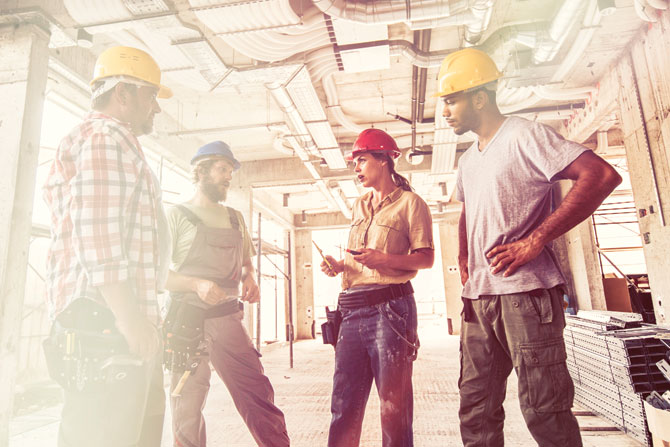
x=390 y=239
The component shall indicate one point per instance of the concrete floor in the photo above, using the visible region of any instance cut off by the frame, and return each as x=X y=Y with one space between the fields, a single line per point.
x=303 y=393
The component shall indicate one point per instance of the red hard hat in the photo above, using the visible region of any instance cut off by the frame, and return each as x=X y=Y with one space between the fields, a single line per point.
x=374 y=140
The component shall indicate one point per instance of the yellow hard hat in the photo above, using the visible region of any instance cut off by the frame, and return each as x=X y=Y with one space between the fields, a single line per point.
x=465 y=69
x=128 y=61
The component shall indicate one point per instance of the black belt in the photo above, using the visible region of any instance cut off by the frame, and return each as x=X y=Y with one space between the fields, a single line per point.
x=227 y=308
x=356 y=299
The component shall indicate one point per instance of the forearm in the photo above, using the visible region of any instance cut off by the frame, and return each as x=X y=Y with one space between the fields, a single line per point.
x=248 y=269
x=582 y=200
x=417 y=260
x=462 y=238
x=178 y=282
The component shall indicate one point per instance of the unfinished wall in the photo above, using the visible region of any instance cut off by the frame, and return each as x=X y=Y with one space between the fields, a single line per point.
x=304 y=285
x=452 y=278
x=644 y=100
x=23 y=77
x=578 y=258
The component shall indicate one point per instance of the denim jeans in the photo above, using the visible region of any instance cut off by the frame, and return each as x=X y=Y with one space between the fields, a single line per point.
x=375 y=343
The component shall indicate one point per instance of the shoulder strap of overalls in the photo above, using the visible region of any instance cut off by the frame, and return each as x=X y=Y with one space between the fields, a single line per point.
x=190 y=215
x=232 y=215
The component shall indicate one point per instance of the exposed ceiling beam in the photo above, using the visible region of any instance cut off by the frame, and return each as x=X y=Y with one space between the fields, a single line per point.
x=291 y=171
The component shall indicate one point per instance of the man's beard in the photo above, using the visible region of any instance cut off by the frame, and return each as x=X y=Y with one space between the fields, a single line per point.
x=213 y=190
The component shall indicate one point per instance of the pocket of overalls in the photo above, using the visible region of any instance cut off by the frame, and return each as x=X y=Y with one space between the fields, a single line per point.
x=546 y=385
x=219 y=241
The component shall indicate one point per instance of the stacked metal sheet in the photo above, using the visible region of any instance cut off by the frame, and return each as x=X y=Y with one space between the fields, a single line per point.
x=612 y=360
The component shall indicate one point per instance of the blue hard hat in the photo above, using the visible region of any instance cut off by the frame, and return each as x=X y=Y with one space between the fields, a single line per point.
x=214 y=149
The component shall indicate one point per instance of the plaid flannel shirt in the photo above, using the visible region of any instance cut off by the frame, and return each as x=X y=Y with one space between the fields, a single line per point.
x=103 y=204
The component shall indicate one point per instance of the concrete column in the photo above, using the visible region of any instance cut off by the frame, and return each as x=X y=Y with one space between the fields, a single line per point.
x=24 y=55
x=452 y=278
x=304 y=284
x=644 y=100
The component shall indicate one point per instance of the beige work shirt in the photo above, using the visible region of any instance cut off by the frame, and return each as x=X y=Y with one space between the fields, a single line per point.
x=400 y=224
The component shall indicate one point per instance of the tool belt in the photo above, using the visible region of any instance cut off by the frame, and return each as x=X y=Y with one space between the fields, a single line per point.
x=330 y=330
x=85 y=351
x=184 y=328
x=363 y=298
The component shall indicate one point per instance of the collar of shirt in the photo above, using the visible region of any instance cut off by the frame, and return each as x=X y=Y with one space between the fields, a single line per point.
x=392 y=197
x=95 y=115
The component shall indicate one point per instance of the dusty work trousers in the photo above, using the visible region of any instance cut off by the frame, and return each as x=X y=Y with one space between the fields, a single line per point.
x=524 y=331
x=237 y=362
x=124 y=414
x=373 y=344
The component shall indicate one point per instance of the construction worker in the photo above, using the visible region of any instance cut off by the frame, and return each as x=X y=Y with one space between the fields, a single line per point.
x=212 y=257
x=106 y=259
x=391 y=238
x=513 y=287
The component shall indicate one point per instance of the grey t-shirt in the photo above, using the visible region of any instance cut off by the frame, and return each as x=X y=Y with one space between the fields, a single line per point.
x=506 y=189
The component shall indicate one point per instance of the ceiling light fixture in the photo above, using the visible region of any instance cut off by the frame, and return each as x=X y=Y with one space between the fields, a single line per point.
x=84 y=38
x=606 y=7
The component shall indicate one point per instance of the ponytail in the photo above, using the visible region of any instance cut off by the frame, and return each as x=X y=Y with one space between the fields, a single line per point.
x=400 y=181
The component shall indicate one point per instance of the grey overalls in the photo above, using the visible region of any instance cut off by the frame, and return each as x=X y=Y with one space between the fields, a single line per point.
x=216 y=255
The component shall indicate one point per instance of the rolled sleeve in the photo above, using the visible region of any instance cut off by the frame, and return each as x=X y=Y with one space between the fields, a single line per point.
x=420 y=225
x=100 y=189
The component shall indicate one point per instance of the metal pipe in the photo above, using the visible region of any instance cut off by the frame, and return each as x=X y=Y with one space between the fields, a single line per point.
x=423 y=76
x=548 y=47
x=289 y=325
x=415 y=78
x=258 y=279
x=226 y=128
x=390 y=11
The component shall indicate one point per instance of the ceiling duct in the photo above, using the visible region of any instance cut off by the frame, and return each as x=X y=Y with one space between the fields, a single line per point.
x=547 y=47
x=298 y=99
x=390 y=12
x=420 y=15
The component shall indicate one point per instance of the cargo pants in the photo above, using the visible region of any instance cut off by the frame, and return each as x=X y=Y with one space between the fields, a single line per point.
x=237 y=362
x=522 y=331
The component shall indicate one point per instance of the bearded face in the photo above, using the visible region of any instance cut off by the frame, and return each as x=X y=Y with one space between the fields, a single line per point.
x=215 y=182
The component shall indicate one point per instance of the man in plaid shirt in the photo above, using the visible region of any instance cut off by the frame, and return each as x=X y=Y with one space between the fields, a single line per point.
x=107 y=223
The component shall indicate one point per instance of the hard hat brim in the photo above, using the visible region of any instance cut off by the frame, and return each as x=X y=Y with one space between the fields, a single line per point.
x=164 y=92
x=351 y=155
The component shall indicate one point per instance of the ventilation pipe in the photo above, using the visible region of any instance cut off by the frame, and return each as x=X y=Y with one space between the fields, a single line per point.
x=390 y=12
x=304 y=144
x=548 y=47
x=420 y=15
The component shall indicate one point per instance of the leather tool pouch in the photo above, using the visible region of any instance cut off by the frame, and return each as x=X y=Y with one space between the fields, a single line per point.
x=85 y=351
x=183 y=331
x=184 y=328
x=330 y=330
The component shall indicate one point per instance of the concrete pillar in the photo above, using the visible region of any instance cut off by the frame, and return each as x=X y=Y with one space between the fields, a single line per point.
x=24 y=55
x=644 y=100
x=452 y=278
x=304 y=285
